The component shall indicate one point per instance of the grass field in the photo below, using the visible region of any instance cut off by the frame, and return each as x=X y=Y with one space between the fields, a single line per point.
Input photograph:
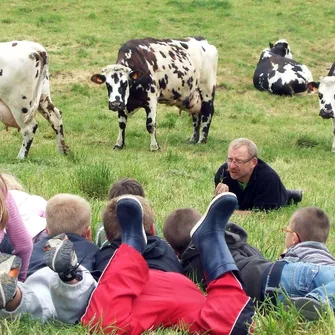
x=82 y=37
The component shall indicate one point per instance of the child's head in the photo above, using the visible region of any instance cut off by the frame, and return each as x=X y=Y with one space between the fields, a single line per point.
x=3 y=208
x=177 y=228
x=307 y=224
x=125 y=186
x=111 y=223
x=68 y=213
x=12 y=182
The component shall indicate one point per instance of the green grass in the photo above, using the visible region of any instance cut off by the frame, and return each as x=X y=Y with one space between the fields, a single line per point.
x=84 y=36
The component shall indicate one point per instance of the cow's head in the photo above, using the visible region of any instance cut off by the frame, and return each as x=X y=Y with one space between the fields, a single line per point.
x=326 y=91
x=281 y=48
x=118 y=79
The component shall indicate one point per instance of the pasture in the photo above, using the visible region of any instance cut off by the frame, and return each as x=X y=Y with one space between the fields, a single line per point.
x=82 y=37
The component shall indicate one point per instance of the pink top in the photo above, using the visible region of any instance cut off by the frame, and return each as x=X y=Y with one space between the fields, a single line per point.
x=18 y=236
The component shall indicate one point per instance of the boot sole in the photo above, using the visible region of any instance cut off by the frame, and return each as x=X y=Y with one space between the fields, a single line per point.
x=131 y=197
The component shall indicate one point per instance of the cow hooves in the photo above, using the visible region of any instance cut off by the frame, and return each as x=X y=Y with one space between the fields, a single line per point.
x=118 y=147
x=154 y=148
x=193 y=140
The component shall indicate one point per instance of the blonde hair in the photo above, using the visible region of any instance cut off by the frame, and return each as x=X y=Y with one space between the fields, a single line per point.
x=4 y=215
x=12 y=182
x=67 y=213
x=311 y=224
x=111 y=222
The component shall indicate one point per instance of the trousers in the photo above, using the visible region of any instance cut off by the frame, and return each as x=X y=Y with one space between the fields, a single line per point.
x=131 y=298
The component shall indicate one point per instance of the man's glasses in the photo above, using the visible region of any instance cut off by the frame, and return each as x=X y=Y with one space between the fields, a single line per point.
x=238 y=161
x=287 y=230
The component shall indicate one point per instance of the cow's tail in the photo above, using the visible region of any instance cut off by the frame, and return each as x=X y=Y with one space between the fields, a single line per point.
x=43 y=73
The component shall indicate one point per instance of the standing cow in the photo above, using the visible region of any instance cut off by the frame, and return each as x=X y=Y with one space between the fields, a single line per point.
x=326 y=91
x=173 y=72
x=25 y=89
x=278 y=73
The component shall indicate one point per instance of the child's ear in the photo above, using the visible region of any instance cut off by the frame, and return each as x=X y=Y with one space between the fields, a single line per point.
x=87 y=233
x=153 y=230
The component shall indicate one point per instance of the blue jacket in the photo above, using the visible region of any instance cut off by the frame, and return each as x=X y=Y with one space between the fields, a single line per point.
x=84 y=249
x=158 y=254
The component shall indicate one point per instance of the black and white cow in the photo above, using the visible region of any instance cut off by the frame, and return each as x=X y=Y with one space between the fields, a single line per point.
x=25 y=89
x=278 y=73
x=326 y=90
x=173 y=72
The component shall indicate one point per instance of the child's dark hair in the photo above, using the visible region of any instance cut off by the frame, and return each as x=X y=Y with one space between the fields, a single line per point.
x=125 y=186
x=177 y=228
x=311 y=223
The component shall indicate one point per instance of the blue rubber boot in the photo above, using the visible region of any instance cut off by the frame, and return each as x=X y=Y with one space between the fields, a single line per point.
x=129 y=212
x=208 y=236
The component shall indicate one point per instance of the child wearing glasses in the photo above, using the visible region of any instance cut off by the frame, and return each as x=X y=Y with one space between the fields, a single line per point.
x=305 y=272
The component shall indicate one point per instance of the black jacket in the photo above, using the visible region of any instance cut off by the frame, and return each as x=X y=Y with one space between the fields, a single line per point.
x=84 y=249
x=249 y=261
x=264 y=191
x=158 y=254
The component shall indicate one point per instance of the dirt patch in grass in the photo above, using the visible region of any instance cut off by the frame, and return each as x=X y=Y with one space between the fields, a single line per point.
x=70 y=77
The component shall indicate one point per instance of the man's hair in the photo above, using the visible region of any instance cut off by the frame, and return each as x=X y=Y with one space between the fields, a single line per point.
x=67 y=213
x=12 y=182
x=177 y=228
x=239 y=142
x=125 y=186
x=311 y=224
x=111 y=222
x=4 y=216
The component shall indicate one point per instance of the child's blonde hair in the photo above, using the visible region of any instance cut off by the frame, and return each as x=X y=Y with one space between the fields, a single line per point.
x=111 y=222
x=3 y=208
x=12 y=182
x=311 y=224
x=67 y=213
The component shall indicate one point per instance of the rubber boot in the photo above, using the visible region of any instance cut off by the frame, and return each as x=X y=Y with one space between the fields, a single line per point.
x=129 y=212
x=294 y=196
x=208 y=236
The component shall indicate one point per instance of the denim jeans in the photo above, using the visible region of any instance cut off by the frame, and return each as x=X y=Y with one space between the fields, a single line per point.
x=307 y=280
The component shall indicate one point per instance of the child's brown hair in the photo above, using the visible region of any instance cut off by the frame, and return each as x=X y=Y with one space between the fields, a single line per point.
x=311 y=224
x=177 y=228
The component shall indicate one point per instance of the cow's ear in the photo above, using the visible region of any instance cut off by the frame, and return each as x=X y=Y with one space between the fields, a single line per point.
x=136 y=75
x=270 y=45
x=313 y=86
x=98 y=78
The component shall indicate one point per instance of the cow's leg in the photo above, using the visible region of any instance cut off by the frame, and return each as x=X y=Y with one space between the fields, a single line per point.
x=151 y=126
x=120 y=142
x=206 y=114
x=196 y=127
x=333 y=147
x=28 y=132
x=54 y=116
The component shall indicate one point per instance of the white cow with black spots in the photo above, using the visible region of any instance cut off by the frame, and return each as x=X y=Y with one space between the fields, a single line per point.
x=25 y=90
x=326 y=90
x=278 y=73
x=173 y=72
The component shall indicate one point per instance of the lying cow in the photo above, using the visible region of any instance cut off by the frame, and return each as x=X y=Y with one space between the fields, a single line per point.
x=25 y=89
x=173 y=72
x=326 y=90
x=278 y=73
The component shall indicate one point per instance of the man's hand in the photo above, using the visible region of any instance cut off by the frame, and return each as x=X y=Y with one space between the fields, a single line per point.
x=221 y=188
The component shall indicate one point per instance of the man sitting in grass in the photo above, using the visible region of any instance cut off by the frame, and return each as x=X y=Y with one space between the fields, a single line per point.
x=305 y=272
x=255 y=183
